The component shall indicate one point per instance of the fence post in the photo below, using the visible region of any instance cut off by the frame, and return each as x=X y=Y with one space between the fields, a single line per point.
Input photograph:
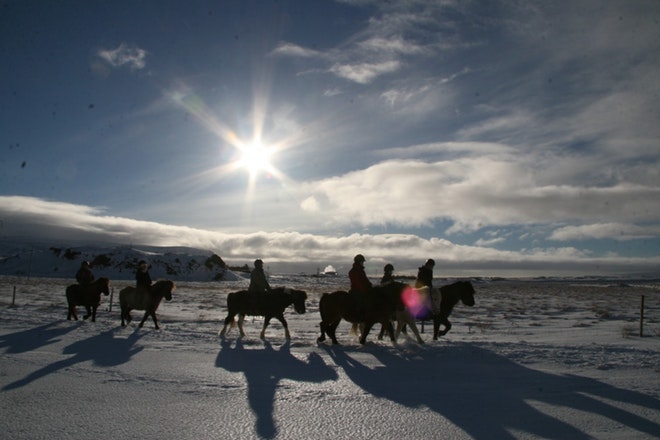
x=112 y=292
x=641 y=318
x=13 y=298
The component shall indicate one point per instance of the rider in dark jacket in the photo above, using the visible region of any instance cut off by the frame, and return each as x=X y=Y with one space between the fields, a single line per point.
x=84 y=276
x=425 y=275
x=142 y=277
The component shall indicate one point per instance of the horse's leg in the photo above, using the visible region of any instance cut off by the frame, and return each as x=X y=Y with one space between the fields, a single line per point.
x=263 y=329
x=437 y=320
x=447 y=325
x=330 y=330
x=146 y=315
x=241 y=318
x=94 y=313
x=390 y=331
x=413 y=326
x=322 y=337
x=89 y=312
x=72 y=312
x=228 y=321
x=280 y=318
x=153 y=316
x=367 y=328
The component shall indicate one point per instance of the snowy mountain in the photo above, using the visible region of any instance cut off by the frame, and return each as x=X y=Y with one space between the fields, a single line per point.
x=114 y=262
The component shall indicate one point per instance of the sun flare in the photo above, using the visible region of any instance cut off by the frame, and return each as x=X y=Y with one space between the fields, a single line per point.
x=255 y=158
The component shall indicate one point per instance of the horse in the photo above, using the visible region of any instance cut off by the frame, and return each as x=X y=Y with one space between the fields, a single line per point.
x=139 y=299
x=269 y=305
x=376 y=305
x=88 y=296
x=438 y=308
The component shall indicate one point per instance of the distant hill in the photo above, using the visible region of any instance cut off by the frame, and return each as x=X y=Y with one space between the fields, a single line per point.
x=114 y=262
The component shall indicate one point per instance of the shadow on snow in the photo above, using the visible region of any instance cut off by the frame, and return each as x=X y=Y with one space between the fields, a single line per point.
x=263 y=370
x=487 y=395
x=103 y=350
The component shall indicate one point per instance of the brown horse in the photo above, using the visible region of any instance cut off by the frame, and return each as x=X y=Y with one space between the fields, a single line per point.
x=87 y=296
x=376 y=305
x=269 y=305
x=131 y=298
x=437 y=306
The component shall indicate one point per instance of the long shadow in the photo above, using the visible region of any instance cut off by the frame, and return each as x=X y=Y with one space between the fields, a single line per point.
x=103 y=350
x=32 y=339
x=487 y=395
x=263 y=370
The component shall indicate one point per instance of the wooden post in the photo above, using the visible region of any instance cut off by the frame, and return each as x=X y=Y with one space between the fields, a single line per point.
x=13 y=298
x=112 y=292
x=641 y=318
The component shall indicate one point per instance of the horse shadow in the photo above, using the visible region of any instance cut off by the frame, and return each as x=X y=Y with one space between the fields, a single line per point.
x=264 y=369
x=104 y=350
x=32 y=339
x=487 y=395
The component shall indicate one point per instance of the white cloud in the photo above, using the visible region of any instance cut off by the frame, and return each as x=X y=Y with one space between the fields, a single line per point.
x=294 y=50
x=57 y=223
x=125 y=55
x=364 y=73
x=473 y=192
x=615 y=231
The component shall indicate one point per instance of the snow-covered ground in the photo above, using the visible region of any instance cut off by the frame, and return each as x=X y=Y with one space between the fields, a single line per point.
x=530 y=360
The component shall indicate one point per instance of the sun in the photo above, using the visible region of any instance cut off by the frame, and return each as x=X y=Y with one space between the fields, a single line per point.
x=255 y=158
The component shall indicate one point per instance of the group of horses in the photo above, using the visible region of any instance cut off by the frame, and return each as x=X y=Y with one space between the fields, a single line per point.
x=130 y=298
x=381 y=304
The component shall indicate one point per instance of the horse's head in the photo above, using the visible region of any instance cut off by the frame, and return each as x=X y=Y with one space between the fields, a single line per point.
x=467 y=293
x=165 y=288
x=299 y=297
x=105 y=285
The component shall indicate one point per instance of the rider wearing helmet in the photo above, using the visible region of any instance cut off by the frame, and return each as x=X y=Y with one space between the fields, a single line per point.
x=387 y=274
x=425 y=275
x=258 y=281
x=359 y=281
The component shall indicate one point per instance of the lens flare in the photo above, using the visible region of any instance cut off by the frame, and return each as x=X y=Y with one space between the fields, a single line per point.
x=417 y=301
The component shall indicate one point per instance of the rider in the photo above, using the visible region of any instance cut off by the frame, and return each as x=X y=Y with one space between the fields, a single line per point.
x=359 y=281
x=387 y=275
x=258 y=282
x=84 y=276
x=142 y=277
x=360 y=284
x=425 y=275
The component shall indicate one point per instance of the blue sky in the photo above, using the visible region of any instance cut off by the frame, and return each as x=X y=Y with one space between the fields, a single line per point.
x=499 y=137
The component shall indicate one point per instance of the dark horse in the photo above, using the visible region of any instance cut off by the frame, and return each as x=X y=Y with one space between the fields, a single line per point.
x=88 y=296
x=376 y=305
x=439 y=309
x=269 y=305
x=131 y=298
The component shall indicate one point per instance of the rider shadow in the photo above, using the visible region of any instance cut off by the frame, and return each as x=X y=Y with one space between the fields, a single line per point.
x=487 y=395
x=32 y=339
x=264 y=369
x=103 y=350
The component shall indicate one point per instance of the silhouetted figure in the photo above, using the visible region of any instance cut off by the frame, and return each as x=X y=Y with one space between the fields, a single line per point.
x=425 y=275
x=387 y=274
x=142 y=277
x=84 y=276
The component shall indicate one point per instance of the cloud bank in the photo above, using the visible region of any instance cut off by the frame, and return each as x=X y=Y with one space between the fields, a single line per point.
x=57 y=222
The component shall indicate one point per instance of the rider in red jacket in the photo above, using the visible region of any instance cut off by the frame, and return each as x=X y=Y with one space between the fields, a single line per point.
x=359 y=281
